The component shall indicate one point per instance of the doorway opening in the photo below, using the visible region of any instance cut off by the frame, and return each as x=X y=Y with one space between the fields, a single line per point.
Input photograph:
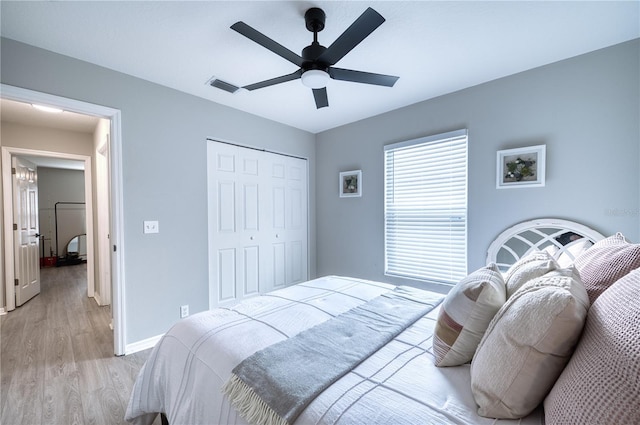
x=105 y=178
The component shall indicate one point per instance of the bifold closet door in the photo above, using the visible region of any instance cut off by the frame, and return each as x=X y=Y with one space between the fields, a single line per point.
x=257 y=222
x=288 y=215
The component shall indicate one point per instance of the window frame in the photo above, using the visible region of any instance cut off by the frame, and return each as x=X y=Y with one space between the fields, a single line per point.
x=457 y=221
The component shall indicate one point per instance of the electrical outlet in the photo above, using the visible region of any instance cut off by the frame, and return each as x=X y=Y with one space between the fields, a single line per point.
x=151 y=227
x=184 y=311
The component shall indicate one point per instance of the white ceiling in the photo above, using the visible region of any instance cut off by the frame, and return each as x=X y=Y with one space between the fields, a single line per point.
x=26 y=114
x=50 y=162
x=435 y=47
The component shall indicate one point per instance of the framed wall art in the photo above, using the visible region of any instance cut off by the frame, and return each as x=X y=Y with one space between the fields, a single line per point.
x=351 y=183
x=521 y=167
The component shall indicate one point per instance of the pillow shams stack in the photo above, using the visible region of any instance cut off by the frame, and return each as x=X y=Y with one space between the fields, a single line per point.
x=605 y=262
x=600 y=385
x=465 y=314
x=528 y=343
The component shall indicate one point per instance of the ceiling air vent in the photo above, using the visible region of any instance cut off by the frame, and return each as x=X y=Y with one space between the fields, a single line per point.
x=223 y=85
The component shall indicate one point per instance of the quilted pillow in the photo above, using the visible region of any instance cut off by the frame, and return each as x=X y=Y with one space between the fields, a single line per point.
x=527 y=268
x=600 y=383
x=527 y=344
x=605 y=262
x=465 y=314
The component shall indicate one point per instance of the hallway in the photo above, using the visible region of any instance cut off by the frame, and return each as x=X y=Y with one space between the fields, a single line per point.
x=56 y=358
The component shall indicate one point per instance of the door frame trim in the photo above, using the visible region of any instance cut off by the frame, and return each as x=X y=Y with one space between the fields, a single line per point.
x=117 y=211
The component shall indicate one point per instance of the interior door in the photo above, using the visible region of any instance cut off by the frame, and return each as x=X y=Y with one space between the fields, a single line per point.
x=26 y=237
x=288 y=229
x=257 y=222
x=236 y=220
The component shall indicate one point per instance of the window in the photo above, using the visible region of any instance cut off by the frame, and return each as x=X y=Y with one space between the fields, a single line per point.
x=425 y=209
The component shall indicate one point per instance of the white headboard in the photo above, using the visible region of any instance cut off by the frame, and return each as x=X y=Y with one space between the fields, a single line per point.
x=523 y=238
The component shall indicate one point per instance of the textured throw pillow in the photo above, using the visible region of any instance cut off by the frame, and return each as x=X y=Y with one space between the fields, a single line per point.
x=601 y=383
x=527 y=344
x=465 y=314
x=527 y=268
x=605 y=262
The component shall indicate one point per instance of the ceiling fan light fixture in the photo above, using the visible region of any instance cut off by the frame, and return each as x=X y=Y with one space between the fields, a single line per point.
x=316 y=63
x=315 y=78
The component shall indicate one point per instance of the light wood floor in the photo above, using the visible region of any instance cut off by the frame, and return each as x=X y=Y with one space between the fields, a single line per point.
x=56 y=359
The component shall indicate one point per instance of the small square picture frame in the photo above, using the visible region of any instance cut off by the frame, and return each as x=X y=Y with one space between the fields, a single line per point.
x=521 y=167
x=351 y=184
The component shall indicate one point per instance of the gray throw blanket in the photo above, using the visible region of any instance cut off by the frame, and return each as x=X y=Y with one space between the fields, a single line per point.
x=274 y=385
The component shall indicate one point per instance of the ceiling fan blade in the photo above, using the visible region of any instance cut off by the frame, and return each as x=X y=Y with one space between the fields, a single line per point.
x=320 y=95
x=362 y=77
x=277 y=80
x=352 y=36
x=266 y=42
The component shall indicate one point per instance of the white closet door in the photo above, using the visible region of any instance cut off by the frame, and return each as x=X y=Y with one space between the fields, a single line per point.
x=288 y=238
x=256 y=200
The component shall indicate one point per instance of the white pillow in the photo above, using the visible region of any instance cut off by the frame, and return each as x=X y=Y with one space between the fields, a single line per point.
x=527 y=344
x=572 y=251
x=552 y=250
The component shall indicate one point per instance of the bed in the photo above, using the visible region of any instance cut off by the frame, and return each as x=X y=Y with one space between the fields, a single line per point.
x=399 y=382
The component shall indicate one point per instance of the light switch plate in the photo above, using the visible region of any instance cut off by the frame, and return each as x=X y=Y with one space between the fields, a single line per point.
x=151 y=227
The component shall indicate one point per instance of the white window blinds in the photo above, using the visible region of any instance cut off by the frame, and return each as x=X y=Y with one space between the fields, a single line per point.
x=426 y=208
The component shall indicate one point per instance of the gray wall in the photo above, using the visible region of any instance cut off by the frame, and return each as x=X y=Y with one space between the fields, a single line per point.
x=58 y=185
x=585 y=109
x=164 y=136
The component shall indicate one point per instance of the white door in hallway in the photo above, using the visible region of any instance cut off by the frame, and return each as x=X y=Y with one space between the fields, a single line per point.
x=26 y=239
x=257 y=222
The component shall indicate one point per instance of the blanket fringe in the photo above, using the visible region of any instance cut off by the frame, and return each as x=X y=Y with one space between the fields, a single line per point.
x=250 y=406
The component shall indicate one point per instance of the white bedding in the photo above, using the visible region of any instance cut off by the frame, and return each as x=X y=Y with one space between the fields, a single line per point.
x=399 y=384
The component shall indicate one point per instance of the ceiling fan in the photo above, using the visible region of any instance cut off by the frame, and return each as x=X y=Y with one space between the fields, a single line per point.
x=316 y=63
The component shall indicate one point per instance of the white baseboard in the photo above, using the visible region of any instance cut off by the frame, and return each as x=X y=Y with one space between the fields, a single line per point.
x=3 y=311
x=145 y=344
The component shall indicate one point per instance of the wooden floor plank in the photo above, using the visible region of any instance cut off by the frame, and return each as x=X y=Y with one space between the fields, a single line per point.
x=59 y=360
x=62 y=401
x=8 y=367
x=56 y=358
x=13 y=403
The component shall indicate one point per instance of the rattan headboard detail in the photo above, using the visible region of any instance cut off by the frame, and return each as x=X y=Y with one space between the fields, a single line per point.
x=523 y=238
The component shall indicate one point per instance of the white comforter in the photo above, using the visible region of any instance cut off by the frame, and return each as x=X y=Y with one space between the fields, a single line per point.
x=398 y=385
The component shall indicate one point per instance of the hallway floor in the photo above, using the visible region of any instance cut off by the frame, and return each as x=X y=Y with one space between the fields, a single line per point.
x=56 y=359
